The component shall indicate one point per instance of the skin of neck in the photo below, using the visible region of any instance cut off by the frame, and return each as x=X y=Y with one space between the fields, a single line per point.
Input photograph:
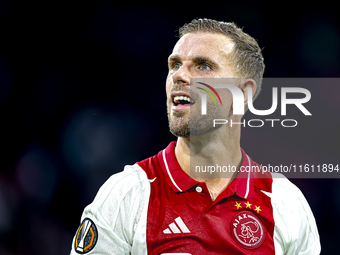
x=219 y=147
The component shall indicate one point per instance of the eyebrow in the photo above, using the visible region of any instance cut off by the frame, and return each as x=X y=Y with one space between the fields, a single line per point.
x=197 y=59
x=174 y=58
x=203 y=59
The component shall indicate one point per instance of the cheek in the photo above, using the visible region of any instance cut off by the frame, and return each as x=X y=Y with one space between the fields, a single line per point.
x=168 y=84
x=227 y=100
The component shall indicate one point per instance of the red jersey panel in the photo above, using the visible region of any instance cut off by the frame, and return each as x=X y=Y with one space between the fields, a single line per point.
x=183 y=219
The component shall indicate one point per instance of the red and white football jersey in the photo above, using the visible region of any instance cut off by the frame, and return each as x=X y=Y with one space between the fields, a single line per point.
x=154 y=207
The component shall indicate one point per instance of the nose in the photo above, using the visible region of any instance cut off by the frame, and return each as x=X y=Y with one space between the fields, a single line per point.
x=182 y=76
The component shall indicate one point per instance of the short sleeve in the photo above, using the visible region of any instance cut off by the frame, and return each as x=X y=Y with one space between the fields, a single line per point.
x=115 y=222
x=295 y=230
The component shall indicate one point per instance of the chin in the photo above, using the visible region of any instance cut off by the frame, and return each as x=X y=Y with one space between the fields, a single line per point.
x=180 y=128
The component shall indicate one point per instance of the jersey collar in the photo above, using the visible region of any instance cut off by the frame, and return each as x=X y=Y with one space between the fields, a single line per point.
x=179 y=181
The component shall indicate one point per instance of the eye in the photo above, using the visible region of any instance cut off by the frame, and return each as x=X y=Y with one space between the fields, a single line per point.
x=204 y=67
x=176 y=65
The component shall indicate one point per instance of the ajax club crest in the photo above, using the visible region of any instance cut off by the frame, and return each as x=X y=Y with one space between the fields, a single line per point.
x=247 y=230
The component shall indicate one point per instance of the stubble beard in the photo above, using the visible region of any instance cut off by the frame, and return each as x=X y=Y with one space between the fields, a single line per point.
x=179 y=125
x=183 y=124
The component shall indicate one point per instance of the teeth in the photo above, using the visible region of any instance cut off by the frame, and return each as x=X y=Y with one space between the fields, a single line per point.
x=178 y=98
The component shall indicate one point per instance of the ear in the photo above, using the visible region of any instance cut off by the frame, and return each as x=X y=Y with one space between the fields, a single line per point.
x=244 y=87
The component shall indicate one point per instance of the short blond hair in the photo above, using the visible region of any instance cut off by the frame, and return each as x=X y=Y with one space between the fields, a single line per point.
x=246 y=58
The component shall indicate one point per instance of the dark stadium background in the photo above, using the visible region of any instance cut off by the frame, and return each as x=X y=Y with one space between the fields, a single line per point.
x=82 y=93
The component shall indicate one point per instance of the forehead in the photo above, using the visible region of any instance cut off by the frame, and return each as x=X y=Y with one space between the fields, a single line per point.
x=205 y=44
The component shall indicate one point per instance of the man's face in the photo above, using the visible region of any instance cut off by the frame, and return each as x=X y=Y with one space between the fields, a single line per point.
x=196 y=55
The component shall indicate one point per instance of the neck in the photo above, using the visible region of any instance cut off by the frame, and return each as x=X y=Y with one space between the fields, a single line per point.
x=218 y=148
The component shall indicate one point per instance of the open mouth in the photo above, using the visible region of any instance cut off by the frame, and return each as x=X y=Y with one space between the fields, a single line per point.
x=183 y=100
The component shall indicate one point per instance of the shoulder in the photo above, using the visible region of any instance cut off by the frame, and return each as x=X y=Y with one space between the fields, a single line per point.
x=121 y=189
x=119 y=212
x=295 y=226
x=289 y=201
x=287 y=197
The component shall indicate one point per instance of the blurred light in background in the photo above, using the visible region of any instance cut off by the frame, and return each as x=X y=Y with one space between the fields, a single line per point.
x=37 y=173
x=318 y=41
x=98 y=142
